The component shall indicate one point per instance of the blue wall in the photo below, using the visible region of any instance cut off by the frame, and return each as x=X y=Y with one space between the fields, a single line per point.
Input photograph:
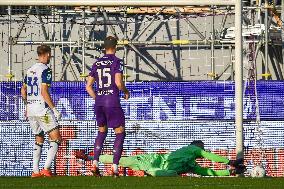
x=160 y=116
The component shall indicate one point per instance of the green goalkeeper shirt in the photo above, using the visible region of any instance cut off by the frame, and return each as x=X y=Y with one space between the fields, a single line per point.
x=171 y=164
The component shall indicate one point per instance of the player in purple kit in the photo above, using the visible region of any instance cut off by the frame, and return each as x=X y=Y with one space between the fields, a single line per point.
x=107 y=73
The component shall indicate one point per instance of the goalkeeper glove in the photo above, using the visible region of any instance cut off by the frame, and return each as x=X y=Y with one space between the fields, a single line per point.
x=57 y=114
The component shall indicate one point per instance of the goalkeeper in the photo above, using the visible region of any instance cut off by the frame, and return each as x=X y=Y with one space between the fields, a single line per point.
x=174 y=163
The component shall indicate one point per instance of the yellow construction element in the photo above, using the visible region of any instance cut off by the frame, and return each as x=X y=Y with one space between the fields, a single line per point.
x=125 y=76
x=172 y=10
x=180 y=42
x=9 y=76
x=84 y=75
x=123 y=42
x=155 y=10
x=214 y=75
x=266 y=75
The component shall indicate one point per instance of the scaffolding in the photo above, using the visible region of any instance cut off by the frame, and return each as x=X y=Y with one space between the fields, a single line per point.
x=135 y=28
x=117 y=21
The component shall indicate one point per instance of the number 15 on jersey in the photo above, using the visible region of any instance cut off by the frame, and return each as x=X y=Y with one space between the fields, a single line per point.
x=104 y=73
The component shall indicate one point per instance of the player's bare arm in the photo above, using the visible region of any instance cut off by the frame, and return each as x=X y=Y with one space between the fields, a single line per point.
x=89 y=87
x=24 y=93
x=46 y=96
x=24 y=96
x=121 y=86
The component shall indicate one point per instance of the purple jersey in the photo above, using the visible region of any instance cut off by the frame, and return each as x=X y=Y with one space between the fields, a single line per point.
x=104 y=70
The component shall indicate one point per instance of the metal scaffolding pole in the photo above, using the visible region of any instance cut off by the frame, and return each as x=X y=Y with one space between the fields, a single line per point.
x=259 y=12
x=10 y=43
x=47 y=43
x=182 y=43
x=239 y=80
x=149 y=24
x=223 y=22
x=266 y=39
x=41 y=24
x=125 y=48
x=83 y=74
x=53 y=39
x=232 y=60
x=145 y=58
x=68 y=62
x=213 y=72
x=93 y=27
x=191 y=25
x=110 y=26
x=112 y=3
x=23 y=24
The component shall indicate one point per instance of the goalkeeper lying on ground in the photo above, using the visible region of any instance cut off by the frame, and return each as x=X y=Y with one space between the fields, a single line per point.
x=174 y=163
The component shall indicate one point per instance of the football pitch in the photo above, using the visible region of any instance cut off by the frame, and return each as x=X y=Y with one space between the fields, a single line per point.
x=140 y=183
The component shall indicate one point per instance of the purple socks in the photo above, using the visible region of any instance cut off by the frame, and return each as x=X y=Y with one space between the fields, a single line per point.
x=117 y=147
x=99 y=144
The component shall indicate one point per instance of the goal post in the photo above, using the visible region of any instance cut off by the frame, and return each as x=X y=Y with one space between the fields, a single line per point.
x=239 y=80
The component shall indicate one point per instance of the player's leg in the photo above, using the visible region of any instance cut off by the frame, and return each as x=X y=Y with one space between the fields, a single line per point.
x=118 y=147
x=116 y=120
x=157 y=172
x=238 y=169
x=54 y=143
x=102 y=133
x=37 y=149
x=204 y=171
x=130 y=161
x=49 y=124
x=39 y=140
x=237 y=162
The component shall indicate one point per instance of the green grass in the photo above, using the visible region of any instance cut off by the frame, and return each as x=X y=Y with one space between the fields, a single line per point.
x=140 y=183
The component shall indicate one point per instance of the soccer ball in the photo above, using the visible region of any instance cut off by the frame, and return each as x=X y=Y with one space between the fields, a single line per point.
x=258 y=171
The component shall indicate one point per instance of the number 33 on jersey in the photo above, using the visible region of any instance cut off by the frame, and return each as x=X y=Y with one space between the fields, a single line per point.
x=37 y=75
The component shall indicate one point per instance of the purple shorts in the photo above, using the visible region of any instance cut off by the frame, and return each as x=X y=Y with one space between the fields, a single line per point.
x=112 y=117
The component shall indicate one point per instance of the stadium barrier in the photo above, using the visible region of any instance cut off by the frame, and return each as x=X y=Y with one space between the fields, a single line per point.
x=160 y=117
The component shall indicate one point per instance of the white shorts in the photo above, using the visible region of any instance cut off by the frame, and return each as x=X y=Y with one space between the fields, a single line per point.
x=43 y=124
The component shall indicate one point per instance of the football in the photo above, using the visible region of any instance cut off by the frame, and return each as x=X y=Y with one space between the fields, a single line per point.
x=258 y=171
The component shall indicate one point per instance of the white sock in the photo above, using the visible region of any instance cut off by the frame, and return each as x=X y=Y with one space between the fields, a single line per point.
x=53 y=147
x=115 y=168
x=36 y=157
x=96 y=163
